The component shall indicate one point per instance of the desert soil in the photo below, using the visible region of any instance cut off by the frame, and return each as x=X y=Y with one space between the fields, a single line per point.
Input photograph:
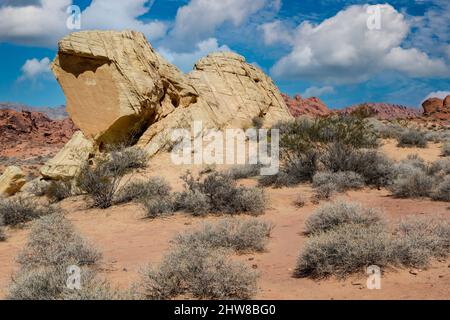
x=129 y=242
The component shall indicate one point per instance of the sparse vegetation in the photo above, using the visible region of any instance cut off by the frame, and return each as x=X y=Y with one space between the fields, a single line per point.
x=446 y=149
x=221 y=193
x=16 y=211
x=415 y=183
x=442 y=190
x=158 y=207
x=154 y=187
x=59 y=190
x=340 y=181
x=248 y=235
x=2 y=234
x=412 y=138
x=244 y=171
x=344 y=239
x=53 y=245
x=300 y=201
x=199 y=272
x=332 y=215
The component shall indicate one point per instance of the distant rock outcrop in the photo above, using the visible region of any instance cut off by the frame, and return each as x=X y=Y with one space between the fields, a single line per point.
x=32 y=128
x=56 y=113
x=437 y=108
x=385 y=111
x=118 y=87
x=310 y=106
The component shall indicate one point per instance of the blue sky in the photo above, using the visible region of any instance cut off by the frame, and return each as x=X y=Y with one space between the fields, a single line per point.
x=312 y=47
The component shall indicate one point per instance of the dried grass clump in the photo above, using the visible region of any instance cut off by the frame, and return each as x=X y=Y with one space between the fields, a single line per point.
x=16 y=211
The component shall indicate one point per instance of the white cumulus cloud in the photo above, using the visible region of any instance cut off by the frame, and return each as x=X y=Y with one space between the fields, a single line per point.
x=34 y=68
x=437 y=94
x=317 y=91
x=342 y=49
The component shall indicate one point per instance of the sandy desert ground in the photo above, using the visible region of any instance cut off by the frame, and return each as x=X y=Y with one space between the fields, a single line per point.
x=129 y=242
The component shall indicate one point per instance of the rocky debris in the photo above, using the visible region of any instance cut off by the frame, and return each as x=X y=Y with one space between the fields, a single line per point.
x=68 y=161
x=437 y=108
x=385 y=111
x=310 y=106
x=32 y=128
x=118 y=88
x=11 y=181
x=56 y=113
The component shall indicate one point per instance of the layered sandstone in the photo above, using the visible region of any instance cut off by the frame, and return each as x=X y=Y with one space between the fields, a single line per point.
x=385 y=111
x=118 y=88
x=11 y=181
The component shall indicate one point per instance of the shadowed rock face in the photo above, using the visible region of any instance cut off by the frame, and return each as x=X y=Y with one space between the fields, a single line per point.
x=118 y=88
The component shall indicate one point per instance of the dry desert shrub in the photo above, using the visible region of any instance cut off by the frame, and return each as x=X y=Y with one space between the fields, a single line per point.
x=156 y=207
x=248 y=235
x=154 y=187
x=442 y=190
x=219 y=193
x=420 y=239
x=123 y=159
x=199 y=272
x=342 y=180
x=412 y=138
x=244 y=171
x=416 y=183
x=57 y=191
x=53 y=242
x=345 y=238
x=332 y=215
x=344 y=249
x=300 y=201
x=53 y=245
x=16 y=211
x=446 y=149
x=2 y=234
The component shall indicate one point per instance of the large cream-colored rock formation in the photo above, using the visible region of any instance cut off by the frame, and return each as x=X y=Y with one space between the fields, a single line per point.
x=68 y=161
x=119 y=88
x=11 y=181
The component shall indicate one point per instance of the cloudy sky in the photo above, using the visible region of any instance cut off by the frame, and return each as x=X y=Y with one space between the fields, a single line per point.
x=344 y=51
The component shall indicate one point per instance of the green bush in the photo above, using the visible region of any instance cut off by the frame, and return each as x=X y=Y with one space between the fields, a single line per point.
x=344 y=249
x=332 y=215
x=16 y=211
x=198 y=272
x=412 y=138
x=248 y=235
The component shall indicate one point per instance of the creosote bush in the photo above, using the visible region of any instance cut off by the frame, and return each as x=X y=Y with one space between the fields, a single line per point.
x=16 y=211
x=333 y=214
x=412 y=138
x=200 y=272
x=219 y=193
x=248 y=235
x=345 y=238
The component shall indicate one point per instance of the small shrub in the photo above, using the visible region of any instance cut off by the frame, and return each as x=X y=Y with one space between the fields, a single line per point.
x=442 y=190
x=332 y=215
x=123 y=160
x=16 y=211
x=193 y=201
x=2 y=234
x=341 y=180
x=420 y=239
x=38 y=187
x=257 y=122
x=446 y=149
x=198 y=271
x=158 y=207
x=439 y=168
x=240 y=235
x=345 y=249
x=412 y=138
x=299 y=201
x=412 y=185
x=59 y=190
x=325 y=191
x=244 y=171
x=222 y=195
x=155 y=187
x=54 y=242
